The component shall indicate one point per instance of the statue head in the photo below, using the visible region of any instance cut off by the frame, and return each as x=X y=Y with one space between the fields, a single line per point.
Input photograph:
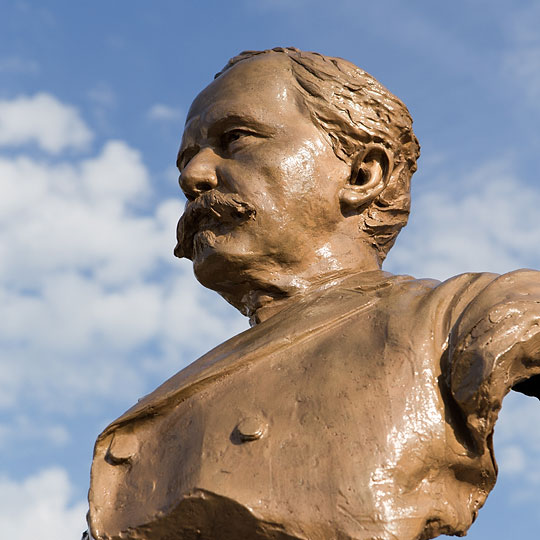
x=294 y=165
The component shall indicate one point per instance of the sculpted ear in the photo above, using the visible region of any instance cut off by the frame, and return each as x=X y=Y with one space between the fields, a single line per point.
x=370 y=171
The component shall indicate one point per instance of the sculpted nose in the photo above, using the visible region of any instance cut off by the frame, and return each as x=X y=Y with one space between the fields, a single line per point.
x=199 y=175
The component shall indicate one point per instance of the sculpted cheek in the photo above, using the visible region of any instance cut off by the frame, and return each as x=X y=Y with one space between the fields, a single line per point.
x=298 y=170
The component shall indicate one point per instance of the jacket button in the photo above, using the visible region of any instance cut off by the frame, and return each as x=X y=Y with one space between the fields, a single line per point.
x=251 y=428
x=122 y=449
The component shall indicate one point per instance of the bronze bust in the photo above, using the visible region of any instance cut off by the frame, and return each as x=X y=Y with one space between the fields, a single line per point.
x=360 y=405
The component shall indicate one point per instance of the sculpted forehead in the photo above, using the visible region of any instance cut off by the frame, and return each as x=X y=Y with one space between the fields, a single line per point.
x=262 y=86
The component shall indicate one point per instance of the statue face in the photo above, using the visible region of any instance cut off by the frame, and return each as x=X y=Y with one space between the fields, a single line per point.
x=261 y=179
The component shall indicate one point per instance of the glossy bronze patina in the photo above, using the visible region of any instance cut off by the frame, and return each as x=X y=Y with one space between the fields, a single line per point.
x=360 y=405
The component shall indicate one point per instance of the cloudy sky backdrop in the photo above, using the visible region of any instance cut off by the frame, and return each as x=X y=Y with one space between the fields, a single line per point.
x=95 y=311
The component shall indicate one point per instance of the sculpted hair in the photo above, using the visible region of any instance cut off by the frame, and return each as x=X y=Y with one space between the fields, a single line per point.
x=353 y=108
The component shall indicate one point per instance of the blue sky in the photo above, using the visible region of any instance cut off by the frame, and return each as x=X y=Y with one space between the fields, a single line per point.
x=95 y=310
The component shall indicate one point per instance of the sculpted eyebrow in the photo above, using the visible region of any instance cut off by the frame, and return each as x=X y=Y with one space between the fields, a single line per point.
x=240 y=121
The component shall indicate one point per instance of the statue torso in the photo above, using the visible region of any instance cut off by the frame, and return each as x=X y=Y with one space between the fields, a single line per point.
x=329 y=420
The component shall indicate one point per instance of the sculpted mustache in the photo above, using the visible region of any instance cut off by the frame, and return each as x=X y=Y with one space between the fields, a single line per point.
x=222 y=207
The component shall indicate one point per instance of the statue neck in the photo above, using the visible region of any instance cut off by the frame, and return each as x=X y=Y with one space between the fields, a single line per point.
x=264 y=289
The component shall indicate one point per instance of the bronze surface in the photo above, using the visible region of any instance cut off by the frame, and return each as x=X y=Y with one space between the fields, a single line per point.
x=360 y=405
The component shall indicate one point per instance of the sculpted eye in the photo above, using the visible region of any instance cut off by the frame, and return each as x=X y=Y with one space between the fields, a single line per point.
x=230 y=137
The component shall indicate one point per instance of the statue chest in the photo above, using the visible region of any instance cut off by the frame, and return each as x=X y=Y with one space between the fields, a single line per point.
x=334 y=431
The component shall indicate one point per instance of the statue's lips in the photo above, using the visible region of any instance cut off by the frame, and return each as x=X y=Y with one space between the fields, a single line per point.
x=210 y=211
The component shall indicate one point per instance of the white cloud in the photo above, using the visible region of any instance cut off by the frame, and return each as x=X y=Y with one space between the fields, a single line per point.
x=103 y=95
x=77 y=343
x=517 y=448
x=40 y=507
x=79 y=216
x=276 y=5
x=23 y=430
x=165 y=113
x=512 y=459
x=88 y=281
x=521 y=61
x=16 y=64
x=485 y=221
x=44 y=120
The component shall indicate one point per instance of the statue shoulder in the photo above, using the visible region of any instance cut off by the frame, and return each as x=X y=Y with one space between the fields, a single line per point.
x=494 y=346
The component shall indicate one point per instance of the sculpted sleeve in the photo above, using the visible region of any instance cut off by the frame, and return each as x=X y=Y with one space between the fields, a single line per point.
x=494 y=347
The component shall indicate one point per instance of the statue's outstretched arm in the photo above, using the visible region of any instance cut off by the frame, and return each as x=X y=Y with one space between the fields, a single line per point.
x=494 y=347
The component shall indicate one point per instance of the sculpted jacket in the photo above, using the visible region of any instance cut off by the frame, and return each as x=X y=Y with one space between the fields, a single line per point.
x=365 y=410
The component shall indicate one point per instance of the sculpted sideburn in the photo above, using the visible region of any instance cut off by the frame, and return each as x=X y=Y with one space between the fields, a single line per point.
x=360 y=405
